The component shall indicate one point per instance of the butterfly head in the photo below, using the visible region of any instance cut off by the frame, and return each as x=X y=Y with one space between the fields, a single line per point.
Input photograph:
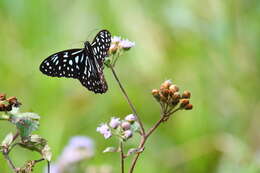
x=87 y=45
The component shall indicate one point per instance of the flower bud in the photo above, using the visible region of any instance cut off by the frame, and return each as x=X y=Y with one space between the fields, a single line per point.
x=184 y=103
x=166 y=84
x=13 y=101
x=126 y=125
x=114 y=122
x=127 y=134
x=174 y=102
x=104 y=130
x=2 y=96
x=176 y=96
x=113 y=49
x=130 y=118
x=2 y=107
x=165 y=92
x=8 y=108
x=186 y=95
x=188 y=107
x=163 y=98
x=174 y=88
x=156 y=94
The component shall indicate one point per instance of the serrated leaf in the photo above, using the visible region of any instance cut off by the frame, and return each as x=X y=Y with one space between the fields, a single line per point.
x=46 y=153
x=110 y=150
x=8 y=139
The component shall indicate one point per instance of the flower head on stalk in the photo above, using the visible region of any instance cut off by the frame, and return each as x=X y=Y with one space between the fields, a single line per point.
x=170 y=98
x=123 y=129
x=117 y=47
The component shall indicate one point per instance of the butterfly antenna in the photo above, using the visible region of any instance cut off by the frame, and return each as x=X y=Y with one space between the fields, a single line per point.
x=77 y=43
x=93 y=32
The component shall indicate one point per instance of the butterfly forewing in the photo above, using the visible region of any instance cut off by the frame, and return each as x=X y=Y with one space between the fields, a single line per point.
x=67 y=63
x=100 y=46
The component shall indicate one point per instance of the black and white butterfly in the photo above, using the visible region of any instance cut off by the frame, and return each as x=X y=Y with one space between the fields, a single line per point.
x=84 y=64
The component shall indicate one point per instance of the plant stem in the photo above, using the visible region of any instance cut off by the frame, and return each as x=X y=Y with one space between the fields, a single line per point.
x=128 y=100
x=122 y=157
x=150 y=131
x=9 y=161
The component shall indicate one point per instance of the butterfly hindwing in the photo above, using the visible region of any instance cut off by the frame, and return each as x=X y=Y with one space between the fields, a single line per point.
x=67 y=63
x=92 y=77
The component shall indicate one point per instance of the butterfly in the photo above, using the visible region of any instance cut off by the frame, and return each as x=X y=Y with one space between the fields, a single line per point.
x=84 y=64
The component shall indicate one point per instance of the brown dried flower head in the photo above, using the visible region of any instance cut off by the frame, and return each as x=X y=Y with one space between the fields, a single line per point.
x=186 y=94
x=188 y=107
x=169 y=94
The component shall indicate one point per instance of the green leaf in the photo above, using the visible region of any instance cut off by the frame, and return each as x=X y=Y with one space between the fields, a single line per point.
x=8 y=140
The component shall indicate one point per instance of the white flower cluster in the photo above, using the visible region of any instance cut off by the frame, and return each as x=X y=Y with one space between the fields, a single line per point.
x=118 y=44
x=122 y=128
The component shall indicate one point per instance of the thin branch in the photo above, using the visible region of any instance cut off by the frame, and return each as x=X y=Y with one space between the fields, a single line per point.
x=48 y=166
x=150 y=131
x=9 y=161
x=128 y=100
x=122 y=157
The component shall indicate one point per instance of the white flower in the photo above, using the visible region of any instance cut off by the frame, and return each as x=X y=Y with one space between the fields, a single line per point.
x=115 y=39
x=128 y=134
x=130 y=118
x=126 y=44
x=104 y=130
x=114 y=122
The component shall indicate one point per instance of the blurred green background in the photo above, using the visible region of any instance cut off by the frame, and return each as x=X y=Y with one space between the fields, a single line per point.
x=208 y=47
